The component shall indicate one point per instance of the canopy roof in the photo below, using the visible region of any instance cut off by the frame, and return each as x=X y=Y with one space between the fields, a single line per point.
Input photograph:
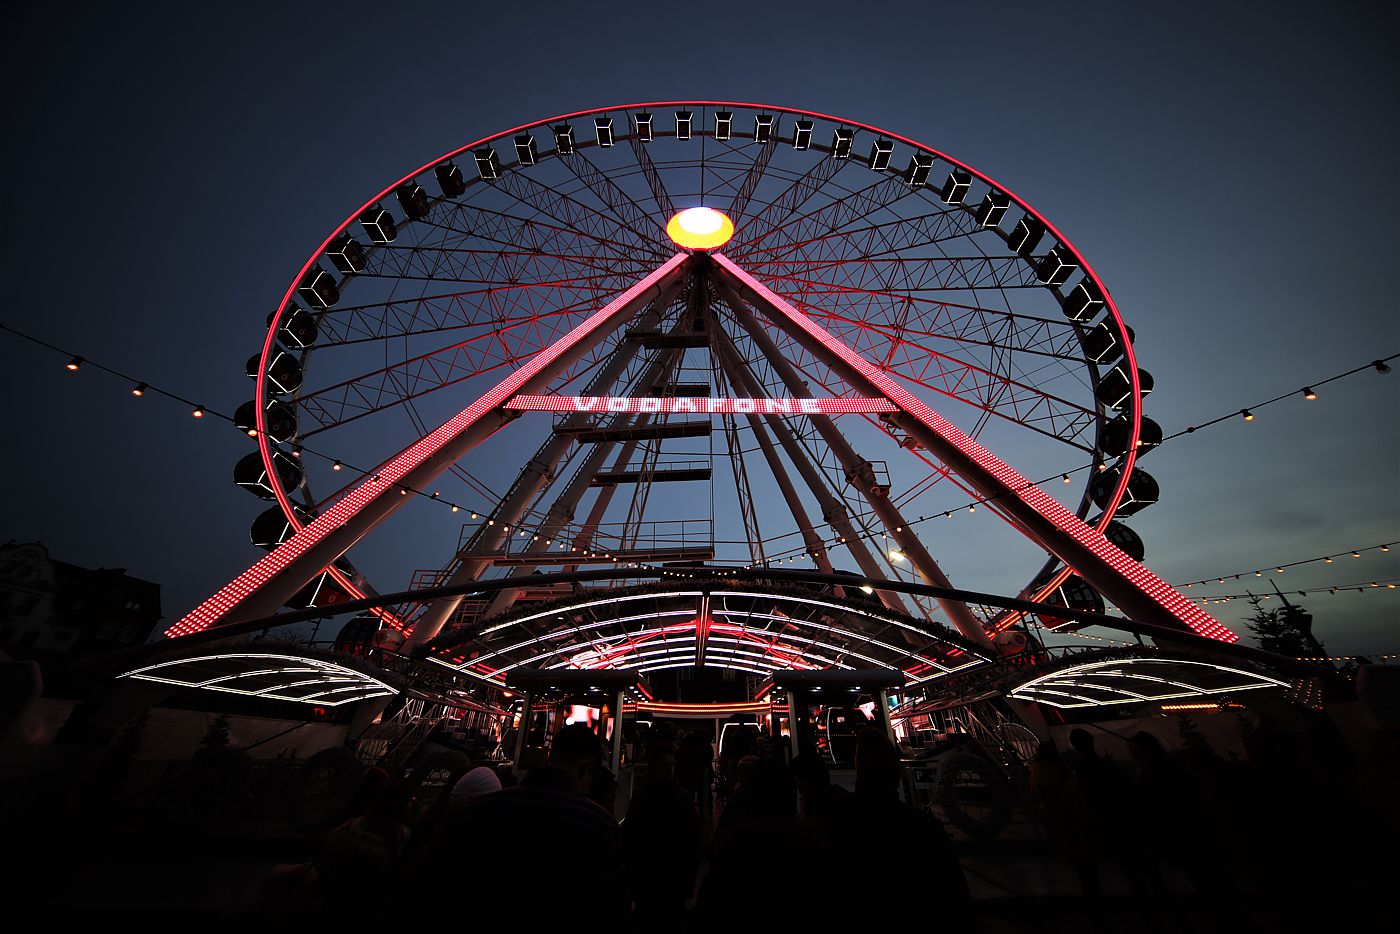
x=760 y=630
x=274 y=676
x=1138 y=680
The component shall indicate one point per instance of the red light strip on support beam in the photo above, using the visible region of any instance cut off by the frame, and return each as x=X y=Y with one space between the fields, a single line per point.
x=392 y=472
x=1009 y=482
x=697 y=406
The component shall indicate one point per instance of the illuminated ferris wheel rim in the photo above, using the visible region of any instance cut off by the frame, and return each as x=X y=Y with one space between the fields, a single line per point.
x=1132 y=410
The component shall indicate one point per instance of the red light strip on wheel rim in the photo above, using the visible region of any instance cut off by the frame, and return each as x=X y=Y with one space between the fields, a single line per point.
x=393 y=471
x=1011 y=482
x=681 y=405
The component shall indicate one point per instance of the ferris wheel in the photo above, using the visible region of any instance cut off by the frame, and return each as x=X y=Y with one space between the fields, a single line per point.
x=832 y=260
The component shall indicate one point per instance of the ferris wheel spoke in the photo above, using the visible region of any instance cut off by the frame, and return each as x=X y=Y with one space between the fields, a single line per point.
x=739 y=205
x=427 y=262
x=827 y=219
x=414 y=378
x=622 y=206
x=923 y=318
x=487 y=308
x=467 y=222
x=510 y=264
x=785 y=204
x=569 y=212
x=976 y=386
x=943 y=274
x=653 y=176
x=541 y=278
x=887 y=238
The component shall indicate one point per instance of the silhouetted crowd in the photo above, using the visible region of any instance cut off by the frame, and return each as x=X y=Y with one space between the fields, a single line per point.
x=1270 y=840
x=548 y=849
x=1289 y=837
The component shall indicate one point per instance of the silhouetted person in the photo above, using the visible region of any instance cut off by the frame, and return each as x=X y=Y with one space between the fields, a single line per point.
x=363 y=851
x=912 y=851
x=694 y=756
x=661 y=843
x=1174 y=817
x=818 y=799
x=1106 y=791
x=347 y=881
x=602 y=788
x=764 y=862
x=1059 y=806
x=551 y=854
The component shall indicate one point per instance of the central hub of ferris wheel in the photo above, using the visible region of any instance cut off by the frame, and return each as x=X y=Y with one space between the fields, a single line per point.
x=845 y=277
x=700 y=229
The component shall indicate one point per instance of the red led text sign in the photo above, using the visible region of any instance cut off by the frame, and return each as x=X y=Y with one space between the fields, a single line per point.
x=682 y=404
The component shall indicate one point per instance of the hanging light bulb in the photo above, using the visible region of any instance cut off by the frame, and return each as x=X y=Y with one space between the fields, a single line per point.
x=1328 y=560
x=896 y=554
x=1385 y=548
x=138 y=390
x=972 y=508
x=1308 y=393
x=455 y=508
x=474 y=514
x=336 y=466
x=198 y=411
x=1381 y=366
x=1356 y=554
x=1064 y=477
x=1248 y=415
x=74 y=364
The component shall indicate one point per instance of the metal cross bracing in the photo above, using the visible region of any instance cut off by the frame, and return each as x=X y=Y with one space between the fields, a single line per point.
x=516 y=255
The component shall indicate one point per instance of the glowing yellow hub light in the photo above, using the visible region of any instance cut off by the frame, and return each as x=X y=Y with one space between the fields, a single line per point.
x=700 y=229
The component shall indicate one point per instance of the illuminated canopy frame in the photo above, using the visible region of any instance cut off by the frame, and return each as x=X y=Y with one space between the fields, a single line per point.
x=295 y=678
x=759 y=631
x=1138 y=681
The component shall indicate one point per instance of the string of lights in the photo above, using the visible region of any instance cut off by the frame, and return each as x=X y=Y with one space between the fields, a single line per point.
x=1362 y=587
x=1280 y=568
x=141 y=388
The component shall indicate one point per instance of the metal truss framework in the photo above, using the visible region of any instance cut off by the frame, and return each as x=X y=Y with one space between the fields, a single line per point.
x=904 y=275
x=1132 y=587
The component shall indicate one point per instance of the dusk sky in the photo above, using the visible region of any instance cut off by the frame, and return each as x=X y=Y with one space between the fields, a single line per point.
x=1227 y=169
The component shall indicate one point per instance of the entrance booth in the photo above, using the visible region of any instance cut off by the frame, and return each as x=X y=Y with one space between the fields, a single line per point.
x=553 y=699
x=828 y=709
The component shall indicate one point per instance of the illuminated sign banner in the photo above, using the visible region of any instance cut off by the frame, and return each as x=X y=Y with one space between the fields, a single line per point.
x=682 y=404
